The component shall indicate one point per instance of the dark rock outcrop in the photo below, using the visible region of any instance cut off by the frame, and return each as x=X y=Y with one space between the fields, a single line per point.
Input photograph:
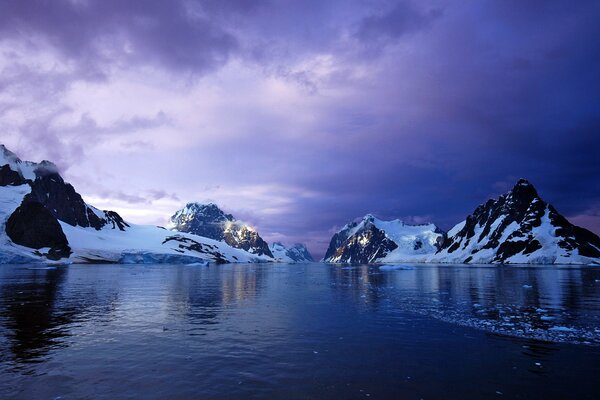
x=63 y=201
x=32 y=225
x=367 y=246
x=10 y=177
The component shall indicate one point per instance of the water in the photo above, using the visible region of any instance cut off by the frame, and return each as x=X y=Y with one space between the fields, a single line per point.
x=299 y=332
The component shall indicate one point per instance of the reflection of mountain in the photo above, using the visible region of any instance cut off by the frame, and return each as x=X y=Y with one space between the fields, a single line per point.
x=30 y=316
x=360 y=283
x=203 y=293
x=241 y=284
x=38 y=306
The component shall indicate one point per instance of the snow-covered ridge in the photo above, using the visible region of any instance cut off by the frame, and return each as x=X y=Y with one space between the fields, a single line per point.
x=518 y=227
x=370 y=239
x=297 y=253
x=26 y=169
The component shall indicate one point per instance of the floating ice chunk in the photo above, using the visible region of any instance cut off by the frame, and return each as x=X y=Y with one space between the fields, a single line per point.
x=562 y=329
x=527 y=286
x=198 y=264
x=396 y=267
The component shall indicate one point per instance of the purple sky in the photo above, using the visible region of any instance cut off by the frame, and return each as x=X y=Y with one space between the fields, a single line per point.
x=299 y=116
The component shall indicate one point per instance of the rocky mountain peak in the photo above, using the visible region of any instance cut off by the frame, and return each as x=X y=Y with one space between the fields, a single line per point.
x=370 y=239
x=518 y=227
x=208 y=220
x=523 y=193
x=208 y=212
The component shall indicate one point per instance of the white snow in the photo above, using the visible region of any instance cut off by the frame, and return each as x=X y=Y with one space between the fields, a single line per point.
x=457 y=228
x=144 y=244
x=281 y=253
x=415 y=242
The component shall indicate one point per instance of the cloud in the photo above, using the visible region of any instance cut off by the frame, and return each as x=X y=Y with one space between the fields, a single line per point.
x=300 y=116
x=97 y=34
x=401 y=20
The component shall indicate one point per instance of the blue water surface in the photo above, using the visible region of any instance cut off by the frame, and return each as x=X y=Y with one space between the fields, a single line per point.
x=306 y=331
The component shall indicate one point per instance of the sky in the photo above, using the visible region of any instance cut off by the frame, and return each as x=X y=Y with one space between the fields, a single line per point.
x=298 y=117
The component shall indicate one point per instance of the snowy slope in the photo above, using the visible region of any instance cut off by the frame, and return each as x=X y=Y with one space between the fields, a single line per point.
x=298 y=253
x=370 y=239
x=148 y=244
x=93 y=235
x=518 y=227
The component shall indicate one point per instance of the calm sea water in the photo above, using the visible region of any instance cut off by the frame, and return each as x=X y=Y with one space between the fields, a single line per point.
x=299 y=332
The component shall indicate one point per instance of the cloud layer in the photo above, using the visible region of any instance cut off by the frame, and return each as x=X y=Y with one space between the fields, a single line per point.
x=298 y=116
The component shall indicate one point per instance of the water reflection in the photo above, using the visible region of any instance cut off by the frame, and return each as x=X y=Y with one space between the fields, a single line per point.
x=200 y=295
x=31 y=319
x=294 y=331
x=40 y=306
x=357 y=284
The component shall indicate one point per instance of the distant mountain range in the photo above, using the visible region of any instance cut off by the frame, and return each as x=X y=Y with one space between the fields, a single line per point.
x=518 y=227
x=43 y=219
x=297 y=253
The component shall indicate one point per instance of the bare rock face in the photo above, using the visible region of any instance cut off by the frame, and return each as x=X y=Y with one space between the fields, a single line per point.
x=33 y=226
x=365 y=246
x=63 y=201
x=10 y=177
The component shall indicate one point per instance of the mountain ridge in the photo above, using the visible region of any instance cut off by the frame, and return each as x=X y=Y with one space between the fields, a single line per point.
x=43 y=218
x=208 y=220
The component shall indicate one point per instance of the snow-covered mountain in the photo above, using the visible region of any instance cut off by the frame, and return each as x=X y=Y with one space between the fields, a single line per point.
x=519 y=227
x=297 y=253
x=43 y=219
x=370 y=239
x=210 y=221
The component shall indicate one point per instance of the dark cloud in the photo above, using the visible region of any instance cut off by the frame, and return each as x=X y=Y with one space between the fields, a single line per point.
x=402 y=19
x=471 y=97
x=174 y=34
